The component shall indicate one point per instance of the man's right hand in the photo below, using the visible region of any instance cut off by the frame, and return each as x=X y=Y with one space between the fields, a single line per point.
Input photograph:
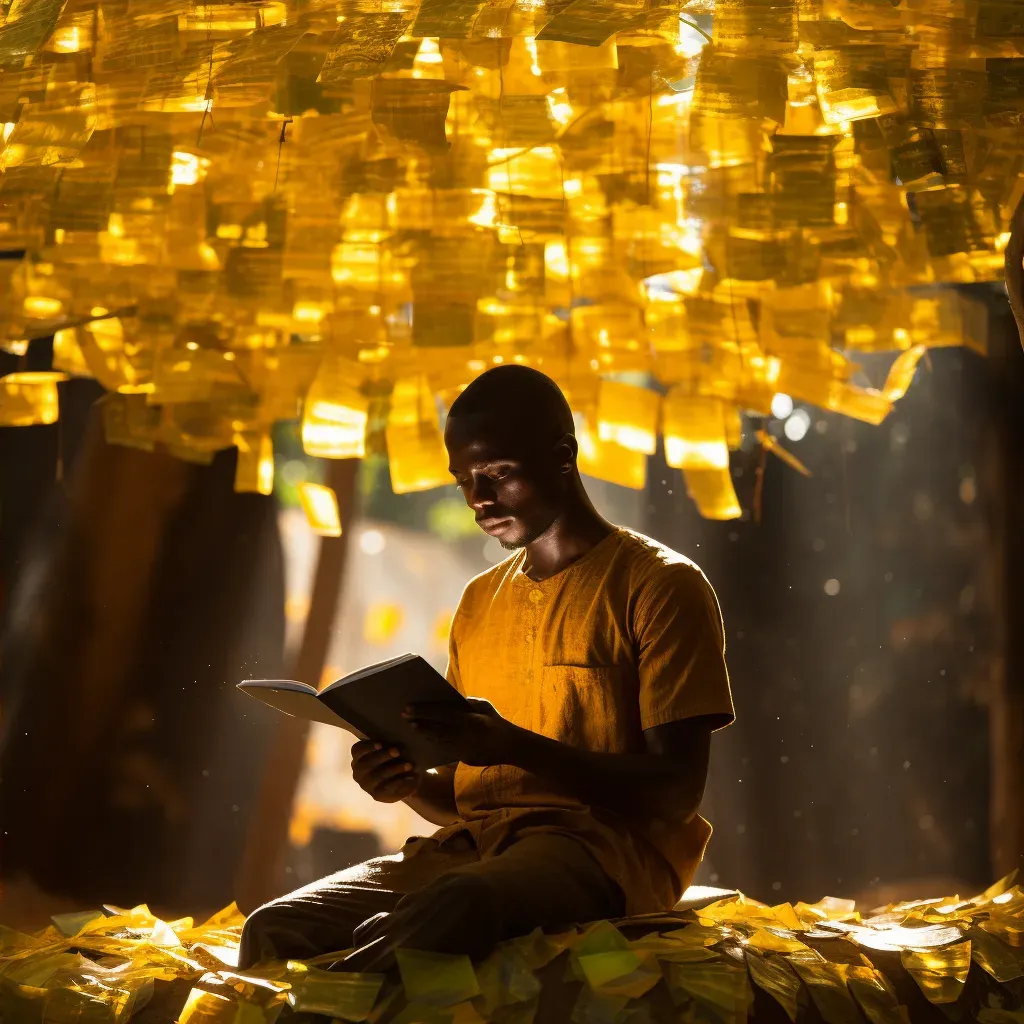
x=383 y=772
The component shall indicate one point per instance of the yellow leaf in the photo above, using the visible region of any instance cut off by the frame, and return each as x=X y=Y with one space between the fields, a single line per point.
x=435 y=978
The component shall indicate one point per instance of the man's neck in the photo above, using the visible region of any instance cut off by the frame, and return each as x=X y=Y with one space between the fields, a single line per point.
x=573 y=533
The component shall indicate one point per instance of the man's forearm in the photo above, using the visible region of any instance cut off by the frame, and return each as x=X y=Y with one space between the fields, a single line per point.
x=629 y=784
x=434 y=798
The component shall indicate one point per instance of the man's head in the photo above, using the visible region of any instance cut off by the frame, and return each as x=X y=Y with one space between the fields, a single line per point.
x=512 y=449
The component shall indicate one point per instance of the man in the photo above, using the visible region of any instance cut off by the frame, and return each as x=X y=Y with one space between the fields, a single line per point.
x=596 y=659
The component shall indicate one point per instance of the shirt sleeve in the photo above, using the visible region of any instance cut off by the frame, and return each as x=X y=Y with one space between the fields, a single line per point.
x=681 y=649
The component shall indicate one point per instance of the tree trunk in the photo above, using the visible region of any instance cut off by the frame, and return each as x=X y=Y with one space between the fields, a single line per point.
x=262 y=875
x=128 y=759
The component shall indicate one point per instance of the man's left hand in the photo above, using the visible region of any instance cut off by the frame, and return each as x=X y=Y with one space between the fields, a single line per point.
x=477 y=736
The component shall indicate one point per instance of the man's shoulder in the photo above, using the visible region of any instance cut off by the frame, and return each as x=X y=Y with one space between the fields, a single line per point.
x=661 y=578
x=650 y=560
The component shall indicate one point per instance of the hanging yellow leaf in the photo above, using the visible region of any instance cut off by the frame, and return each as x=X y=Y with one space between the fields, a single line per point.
x=320 y=504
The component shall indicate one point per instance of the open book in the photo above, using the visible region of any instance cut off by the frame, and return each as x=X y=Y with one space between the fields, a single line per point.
x=369 y=704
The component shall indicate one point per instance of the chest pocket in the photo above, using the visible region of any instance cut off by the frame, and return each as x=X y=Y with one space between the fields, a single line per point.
x=591 y=708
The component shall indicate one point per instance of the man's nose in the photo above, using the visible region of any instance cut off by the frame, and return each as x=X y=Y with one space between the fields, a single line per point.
x=481 y=494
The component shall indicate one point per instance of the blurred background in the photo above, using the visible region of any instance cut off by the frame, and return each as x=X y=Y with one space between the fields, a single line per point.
x=872 y=612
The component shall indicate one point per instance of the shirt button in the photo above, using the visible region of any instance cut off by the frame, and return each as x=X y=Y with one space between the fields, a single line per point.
x=536 y=595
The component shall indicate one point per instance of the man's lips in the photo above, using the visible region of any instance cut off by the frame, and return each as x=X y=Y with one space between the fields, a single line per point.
x=491 y=524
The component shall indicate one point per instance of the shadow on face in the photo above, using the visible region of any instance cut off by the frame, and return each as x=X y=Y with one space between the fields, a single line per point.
x=515 y=484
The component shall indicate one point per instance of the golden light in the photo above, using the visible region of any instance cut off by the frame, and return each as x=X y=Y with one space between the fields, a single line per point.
x=187 y=168
x=382 y=622
x=66 y=39
x=42 y=307
x=352 y=208
x=429 y=52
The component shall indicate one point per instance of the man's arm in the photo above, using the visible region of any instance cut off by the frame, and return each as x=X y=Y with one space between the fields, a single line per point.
x=434 y=798
x=667 y=781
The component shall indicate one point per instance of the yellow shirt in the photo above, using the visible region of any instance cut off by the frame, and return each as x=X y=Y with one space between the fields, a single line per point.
x=627 y=637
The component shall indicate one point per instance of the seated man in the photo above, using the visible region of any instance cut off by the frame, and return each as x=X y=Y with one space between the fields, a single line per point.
x=596 y=657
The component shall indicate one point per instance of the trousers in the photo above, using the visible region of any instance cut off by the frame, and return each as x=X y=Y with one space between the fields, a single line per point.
x=439 y=897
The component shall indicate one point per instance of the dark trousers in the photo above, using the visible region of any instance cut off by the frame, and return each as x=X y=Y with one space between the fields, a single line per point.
x=443 y=898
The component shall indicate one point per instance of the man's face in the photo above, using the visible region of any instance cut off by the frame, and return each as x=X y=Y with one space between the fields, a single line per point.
x=515 y=491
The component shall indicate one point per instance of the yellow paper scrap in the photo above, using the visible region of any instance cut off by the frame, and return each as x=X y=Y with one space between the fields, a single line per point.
x=435 y=978
x=695 y=432
x=334 y=415
x=724 y=988
x=36 y=971
x=254 y=470
x=999 y=888
x=677 y=953
x=774 y=976
x=697 y=934
x=628 y=416
x=713 y=493
x=901 y=373
x=875 y=996
x=1008 y=928
x=828 y=908
x=826 y=983
x=620 y=972
x=67 y=354
x=940 y=973
x=768 y=941
x=994 y=956
x=18 y=944
x=320 y=504
x=504 y=978
x=255 y=1013
x=29 y=398
x=72 y=924
x=417 y=459
x=600 y=937
x=538 y=949
x=607 y=460
x=343 y=995
x=203 y=1007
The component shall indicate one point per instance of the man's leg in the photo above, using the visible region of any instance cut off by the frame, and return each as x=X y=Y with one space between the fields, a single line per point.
x=543 y=879
x=321 y=917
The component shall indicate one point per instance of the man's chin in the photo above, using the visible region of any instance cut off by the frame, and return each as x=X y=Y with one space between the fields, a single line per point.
x=522 y=538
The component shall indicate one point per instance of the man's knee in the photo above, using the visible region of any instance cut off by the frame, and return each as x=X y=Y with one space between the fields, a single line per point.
x=273 y=932
x=463 y=913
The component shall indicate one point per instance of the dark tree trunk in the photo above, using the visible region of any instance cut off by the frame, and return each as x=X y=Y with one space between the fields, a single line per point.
x=1005 y=472
x=129 y=762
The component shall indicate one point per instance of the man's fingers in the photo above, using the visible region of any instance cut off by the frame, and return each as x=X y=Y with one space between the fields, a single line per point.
x=374 y=758
x=387 y=771
x=396 y=788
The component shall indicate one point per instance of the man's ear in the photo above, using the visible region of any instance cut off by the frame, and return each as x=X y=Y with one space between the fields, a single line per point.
x=565 y=451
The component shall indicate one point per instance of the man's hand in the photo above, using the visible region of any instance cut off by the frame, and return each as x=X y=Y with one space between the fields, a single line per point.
x=478 y=736
x=383 y=772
